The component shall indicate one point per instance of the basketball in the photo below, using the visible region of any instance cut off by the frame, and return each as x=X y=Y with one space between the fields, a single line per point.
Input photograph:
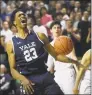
x=63 y=45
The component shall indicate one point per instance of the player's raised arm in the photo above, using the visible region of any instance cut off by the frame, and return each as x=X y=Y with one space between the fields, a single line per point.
x=50 y=50
x=86 y=61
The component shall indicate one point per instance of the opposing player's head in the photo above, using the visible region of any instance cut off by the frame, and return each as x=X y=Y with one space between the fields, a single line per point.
x=55 y=28
x=19 y=19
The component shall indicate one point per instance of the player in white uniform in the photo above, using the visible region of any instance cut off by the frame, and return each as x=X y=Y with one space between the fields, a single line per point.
x=83 y=79
x=85 y=85
x=64 y=73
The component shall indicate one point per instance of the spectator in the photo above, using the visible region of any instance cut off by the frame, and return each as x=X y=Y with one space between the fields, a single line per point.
x=3 y=59
x=3 y=8
x=37 y=14
x=72 y=16
x=5 y=77
x=72 y=4
x=31 y=21
x=78 y=18
x=64 y=12
x=74 y=35
x=45 y=17
x=7 y=18
x=51 y=7
x=8 y=10
x=6 y=35
x=6 y=32
x=30 y=8
x=58 y=7
x=7 y=13
x=70 y=31
x=59 y=16
x=89 y=10
x=84 y=28
x=77 y=6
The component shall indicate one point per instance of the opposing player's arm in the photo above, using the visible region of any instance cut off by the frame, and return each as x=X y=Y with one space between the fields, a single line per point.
x=11 y=58
x=51 y=51
x=75 y=58
x=86 y=61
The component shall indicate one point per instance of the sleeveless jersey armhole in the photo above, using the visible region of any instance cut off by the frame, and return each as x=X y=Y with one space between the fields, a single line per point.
x=39 y=38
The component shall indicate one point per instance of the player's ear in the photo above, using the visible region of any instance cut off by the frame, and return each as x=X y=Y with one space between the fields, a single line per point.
x=14 y=22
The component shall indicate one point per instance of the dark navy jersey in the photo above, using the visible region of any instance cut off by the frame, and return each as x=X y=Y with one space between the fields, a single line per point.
x=29 y=54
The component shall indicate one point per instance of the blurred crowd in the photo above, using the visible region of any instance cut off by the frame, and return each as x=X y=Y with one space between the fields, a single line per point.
x=73 y=15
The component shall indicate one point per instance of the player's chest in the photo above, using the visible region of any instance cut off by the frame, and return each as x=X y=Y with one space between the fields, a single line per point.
x=22 y=46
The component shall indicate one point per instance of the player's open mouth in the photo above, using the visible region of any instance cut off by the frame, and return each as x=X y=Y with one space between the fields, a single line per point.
x=23 y=21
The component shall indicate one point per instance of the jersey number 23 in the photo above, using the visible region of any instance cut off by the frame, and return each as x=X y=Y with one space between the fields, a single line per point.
x=30 y=54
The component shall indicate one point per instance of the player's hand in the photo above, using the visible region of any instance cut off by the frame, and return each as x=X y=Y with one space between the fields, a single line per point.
x=79 y=65
x=84 y=67
x=75 y=91
x=27 y=85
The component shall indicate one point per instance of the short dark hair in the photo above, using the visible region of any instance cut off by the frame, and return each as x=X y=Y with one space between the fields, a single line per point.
x=42 y=9
x=57 y=14
x=13 y=15
x=54 y=23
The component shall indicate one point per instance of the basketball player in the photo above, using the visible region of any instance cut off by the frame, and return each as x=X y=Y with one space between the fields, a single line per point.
x=83 y=79
x=26 y=58
x=64 y=73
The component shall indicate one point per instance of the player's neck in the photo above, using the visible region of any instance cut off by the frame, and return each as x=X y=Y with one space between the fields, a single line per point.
x=22 y=33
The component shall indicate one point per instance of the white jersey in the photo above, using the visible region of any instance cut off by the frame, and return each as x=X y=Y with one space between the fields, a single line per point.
x=64 y=73
x=85 y=85
x=8 y=34
x=87 y=74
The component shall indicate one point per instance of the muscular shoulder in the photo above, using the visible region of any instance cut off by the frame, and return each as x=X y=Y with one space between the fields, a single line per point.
x=88 y=53
x=87 y=56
